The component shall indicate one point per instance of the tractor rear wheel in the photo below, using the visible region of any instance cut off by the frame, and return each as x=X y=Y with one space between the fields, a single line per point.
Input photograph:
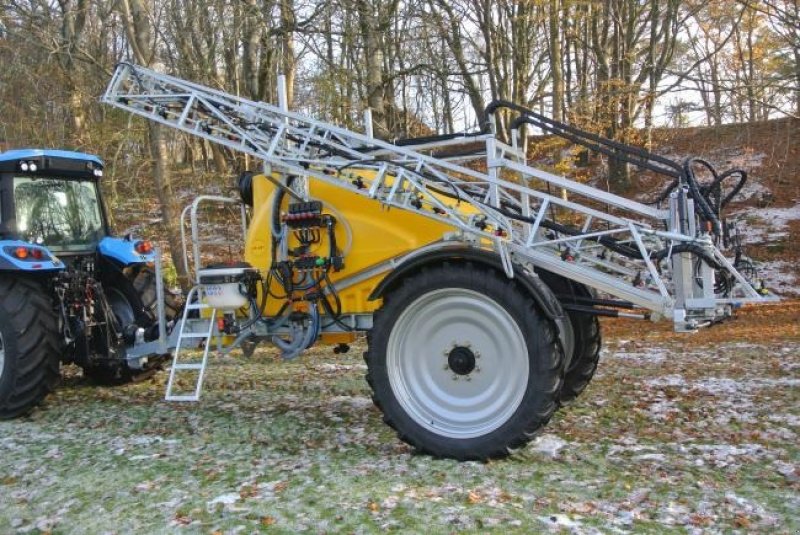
x=463 y=364
x=132 y=296
x=30 y=346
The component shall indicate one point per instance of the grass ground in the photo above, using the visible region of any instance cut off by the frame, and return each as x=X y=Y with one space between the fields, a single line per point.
x=677 y=433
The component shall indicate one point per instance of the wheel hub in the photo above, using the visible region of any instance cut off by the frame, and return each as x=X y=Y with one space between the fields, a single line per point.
x=461 y=360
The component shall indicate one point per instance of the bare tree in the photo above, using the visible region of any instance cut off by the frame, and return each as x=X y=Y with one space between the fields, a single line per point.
x=139 y=21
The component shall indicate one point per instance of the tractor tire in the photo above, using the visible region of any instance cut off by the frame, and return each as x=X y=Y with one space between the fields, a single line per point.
x=586 y=338
x=30 y=346
x=463 y=364
x=144 y=283
x=132 y=297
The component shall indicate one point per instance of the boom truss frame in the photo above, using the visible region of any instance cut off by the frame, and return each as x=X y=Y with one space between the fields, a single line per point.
x=656 y=259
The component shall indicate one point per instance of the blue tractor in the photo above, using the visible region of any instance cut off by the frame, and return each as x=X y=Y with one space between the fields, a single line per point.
x=70 y=292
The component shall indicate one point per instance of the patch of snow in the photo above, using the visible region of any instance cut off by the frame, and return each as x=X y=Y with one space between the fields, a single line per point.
x=548 y=444
x=662 y=408
x=722 y=386
x=765 y=225
x=330 y=367
x=667 y=380
x=718 y=386
x=752 y=190
x=558 y=521
x=779 y=276
x=653 y=356
x=654 y=457
x=789 y=471
x=357 y=402
x=674 y=513
x=225 y=499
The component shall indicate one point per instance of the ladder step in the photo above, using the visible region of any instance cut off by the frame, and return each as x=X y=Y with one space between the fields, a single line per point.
x=192 y=366
x=182 y=398
x=196 y=335
x=201 y=306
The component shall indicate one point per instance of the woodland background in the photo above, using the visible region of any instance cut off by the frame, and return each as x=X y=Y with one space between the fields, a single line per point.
x=616 y=67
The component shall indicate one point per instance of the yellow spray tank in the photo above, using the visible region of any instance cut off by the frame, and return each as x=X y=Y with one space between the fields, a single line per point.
x=370 y=237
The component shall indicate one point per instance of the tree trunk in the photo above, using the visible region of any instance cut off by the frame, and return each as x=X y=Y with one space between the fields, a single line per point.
x=136 y=19
x=555 y=60
x=373 y=57
x=287 y=40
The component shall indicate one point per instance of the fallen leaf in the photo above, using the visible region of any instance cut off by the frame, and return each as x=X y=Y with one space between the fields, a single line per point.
x=700 y=520
x=248 y=491
x=741 y=521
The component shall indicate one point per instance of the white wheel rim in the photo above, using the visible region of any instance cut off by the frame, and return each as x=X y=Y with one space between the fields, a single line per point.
x=447 y=403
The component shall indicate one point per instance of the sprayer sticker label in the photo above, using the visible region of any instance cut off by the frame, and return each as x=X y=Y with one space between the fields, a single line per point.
x=214 y=290
x=259 y=247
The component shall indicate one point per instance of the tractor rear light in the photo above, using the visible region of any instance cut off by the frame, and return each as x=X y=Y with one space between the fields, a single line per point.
x=32 y=167
x=28 y=254
x=144 y=247
x=23 y=166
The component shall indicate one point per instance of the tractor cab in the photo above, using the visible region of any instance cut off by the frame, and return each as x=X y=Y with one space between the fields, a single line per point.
x=52 y=198
x=51 y=210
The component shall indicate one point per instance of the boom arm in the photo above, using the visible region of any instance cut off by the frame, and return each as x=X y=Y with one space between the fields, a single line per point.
x=660 y=260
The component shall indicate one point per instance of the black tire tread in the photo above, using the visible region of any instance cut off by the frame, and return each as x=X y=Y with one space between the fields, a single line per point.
x=37 y=346
x=144 y=282
x=588 y=342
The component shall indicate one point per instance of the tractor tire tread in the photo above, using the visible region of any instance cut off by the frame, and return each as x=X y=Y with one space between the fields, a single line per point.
x=36 y=349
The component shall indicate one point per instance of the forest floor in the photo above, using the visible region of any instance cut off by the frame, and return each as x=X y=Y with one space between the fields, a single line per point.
x=680 y=433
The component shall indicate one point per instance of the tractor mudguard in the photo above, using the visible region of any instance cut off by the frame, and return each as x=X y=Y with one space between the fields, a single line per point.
x=533 y=285
x=123 y=251
x=18 y=255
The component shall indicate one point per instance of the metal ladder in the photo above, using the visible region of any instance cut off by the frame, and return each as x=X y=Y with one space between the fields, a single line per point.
x=508 y=204
x=199 y=330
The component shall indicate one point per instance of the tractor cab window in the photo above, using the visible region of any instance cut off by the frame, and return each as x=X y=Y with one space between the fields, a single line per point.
x=61 y=214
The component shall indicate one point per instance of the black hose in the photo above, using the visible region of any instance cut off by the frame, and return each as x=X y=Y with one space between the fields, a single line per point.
x=702 y=203
x=708 y=199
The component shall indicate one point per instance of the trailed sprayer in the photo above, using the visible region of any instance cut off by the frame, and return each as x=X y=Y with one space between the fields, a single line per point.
x=477 y=277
